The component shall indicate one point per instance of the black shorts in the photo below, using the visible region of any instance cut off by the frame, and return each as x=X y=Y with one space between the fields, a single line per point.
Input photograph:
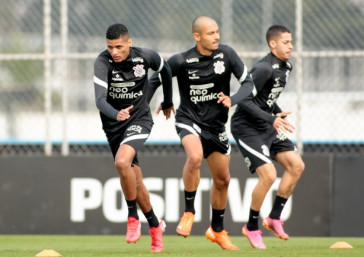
x=135 y=134
x=262 y=148
x=211 y=140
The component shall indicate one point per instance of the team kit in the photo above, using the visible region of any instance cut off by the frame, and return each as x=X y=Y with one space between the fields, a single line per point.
x=203 y=72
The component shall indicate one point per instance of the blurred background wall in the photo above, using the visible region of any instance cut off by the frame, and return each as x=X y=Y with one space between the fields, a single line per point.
x=47 y=50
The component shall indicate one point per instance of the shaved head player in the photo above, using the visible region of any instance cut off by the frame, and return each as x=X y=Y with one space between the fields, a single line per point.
x=203 y=74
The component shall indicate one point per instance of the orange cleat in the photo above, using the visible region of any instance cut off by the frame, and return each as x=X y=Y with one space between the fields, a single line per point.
x=221 y=238
x=185 y=225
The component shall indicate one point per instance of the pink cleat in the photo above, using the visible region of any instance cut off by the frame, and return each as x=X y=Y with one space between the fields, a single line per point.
x=254 y=237
x=133 y=232
x=156 y=234
x=276 y=226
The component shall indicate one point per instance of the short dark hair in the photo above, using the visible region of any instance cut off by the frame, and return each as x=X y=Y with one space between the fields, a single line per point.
x=116 y=31
x=274 y=31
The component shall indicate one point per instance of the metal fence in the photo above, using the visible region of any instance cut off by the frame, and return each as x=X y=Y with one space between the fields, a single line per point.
x=47 y=50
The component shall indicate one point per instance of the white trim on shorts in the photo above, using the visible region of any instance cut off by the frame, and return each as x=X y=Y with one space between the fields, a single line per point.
x=254 y=152
x=189 y=128
x=135 y=137
x=228 y=152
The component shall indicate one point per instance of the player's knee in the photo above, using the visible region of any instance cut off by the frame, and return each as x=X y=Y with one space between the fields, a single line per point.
x=297 y=168
x=194 y=161
x=269 y=180
x=222 y=182
x=300 y=167
x=121 y=166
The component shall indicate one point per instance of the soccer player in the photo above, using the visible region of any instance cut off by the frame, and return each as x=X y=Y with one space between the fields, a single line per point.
x=203 y=74
x=258 y=126
x=120 y=82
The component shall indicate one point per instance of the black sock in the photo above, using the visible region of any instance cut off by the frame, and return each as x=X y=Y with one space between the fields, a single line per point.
x=190 y=201
x=253 y=220
x=278 y=206
x=132 y=208
x=151 y=218
x=217 y=222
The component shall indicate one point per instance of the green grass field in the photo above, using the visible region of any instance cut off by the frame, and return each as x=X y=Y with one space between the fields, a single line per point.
x=88 y=246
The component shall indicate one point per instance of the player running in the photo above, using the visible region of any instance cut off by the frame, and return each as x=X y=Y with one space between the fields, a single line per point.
x=203 y=75
x=258 y=126
x=120 y=82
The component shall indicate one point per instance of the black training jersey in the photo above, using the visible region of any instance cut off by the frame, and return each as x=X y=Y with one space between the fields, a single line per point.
x=270 y=76
x=119 y=85
x=200 y=81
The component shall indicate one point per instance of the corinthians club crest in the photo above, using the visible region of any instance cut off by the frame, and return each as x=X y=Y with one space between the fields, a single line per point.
x=139 y=70
x=219 y=67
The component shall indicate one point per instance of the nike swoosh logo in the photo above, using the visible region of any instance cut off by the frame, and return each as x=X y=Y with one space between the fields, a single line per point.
x=191 y=72
x=189 y=198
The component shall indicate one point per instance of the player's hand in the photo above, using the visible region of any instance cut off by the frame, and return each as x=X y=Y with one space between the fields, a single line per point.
x=281 y=124
x=166 y=112
x=225 y=100
x=124 y=113
x=283 y=114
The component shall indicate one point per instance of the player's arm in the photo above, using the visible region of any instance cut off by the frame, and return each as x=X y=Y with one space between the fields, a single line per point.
x=278 y=121
x=276 y=109
x=100 y=87
x=165 y=76
x=174 y=63
x=253 y=109
x=153 y=83
x=279 y=112
x=163 y=70
x=155 y=80
x=240 y=71
x=260 y=73
x=247 y=89
x=167 y=105
x=280 y=124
